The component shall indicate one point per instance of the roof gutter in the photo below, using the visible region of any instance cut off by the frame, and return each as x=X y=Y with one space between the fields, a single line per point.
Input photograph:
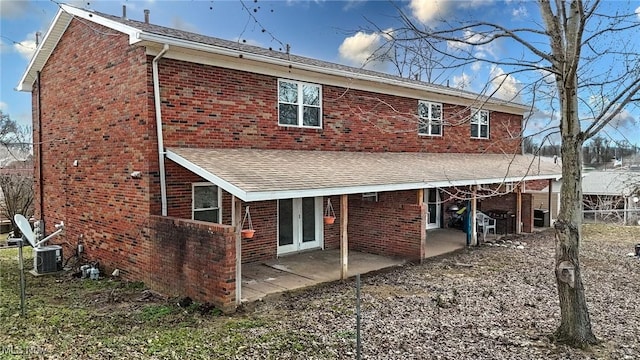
x=157 y=103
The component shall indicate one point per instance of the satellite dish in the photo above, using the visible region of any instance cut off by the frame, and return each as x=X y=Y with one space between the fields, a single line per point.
x=25 y=228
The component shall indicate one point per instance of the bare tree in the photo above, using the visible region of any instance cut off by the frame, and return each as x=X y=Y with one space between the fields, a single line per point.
x=562 y=57
x=18 y=196
x=16 y=173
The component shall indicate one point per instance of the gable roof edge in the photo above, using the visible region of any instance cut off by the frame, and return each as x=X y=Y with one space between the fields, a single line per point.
x=55 y=32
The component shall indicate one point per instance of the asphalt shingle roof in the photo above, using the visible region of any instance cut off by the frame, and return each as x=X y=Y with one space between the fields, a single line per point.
x=262 y=171
x=609 y=182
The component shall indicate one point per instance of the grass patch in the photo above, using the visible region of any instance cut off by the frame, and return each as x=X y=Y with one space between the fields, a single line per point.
x=155 y=312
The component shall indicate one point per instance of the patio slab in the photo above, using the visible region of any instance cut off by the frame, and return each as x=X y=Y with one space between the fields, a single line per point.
x=309 y=268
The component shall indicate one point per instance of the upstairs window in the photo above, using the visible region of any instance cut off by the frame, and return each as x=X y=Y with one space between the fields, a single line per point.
x=430 y=117
x=206 y=202
x=299 y=104
x=479 y=124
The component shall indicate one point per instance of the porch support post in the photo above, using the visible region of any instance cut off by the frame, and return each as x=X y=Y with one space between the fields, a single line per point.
x=518 y=209
x=344 y=243
x=550 y=197
x=472 y=216
x=423 y=224
x=236 y=220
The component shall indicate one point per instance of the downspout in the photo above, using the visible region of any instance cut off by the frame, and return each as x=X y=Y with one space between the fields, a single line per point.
x=40 y=149
x=161 y=152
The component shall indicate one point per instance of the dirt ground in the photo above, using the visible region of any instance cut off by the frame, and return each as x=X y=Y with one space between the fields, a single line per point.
x=489 y=302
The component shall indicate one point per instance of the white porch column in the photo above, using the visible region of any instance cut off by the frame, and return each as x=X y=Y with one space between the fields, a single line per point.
x=344 y=241
x=518 y=209
x=236 y=220
x=472 y=216
x=550 y=199
x=423 y=225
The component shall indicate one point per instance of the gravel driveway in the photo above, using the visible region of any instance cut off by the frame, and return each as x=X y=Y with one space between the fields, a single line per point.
x=490 y=302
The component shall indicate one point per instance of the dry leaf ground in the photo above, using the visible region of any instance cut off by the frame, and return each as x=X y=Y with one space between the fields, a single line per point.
x=490 y=302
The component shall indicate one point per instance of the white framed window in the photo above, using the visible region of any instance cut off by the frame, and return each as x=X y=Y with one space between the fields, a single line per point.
x=206 y=202
x=299 y=104
x=430 y=118
x=479 y=124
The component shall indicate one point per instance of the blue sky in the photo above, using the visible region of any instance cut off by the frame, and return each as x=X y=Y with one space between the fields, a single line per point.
x=337 y=31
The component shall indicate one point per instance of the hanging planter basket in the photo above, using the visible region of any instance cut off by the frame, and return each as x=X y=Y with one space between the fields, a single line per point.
x=249 y=231
x=329 y=214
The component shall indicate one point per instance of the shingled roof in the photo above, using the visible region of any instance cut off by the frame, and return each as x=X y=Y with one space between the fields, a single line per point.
x=253 y=174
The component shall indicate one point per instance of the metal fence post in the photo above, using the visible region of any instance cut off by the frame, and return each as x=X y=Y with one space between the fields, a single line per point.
x=23 y=309
x=358 y=341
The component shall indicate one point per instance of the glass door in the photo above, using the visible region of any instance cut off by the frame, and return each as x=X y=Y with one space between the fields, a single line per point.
x=299 y=224
x=434 y=207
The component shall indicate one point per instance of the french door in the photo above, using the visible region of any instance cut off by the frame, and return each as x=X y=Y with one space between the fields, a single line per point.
x=299 y=224
x=434 y=207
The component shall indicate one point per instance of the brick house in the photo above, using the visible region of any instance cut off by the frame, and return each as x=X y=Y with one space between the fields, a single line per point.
x=153 y=141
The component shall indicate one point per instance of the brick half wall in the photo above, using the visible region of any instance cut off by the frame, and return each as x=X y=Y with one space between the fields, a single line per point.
x=392 y=226
x=193 y=258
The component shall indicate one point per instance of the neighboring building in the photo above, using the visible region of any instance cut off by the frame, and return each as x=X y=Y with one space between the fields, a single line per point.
x=609 y=194
x=145 y=130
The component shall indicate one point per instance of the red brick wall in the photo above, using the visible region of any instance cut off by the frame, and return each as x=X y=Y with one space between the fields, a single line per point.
x=207 y=106
x=393 y=226
x=94 y=110
x=536 y=184
x=508 y=202
x=332 y=232
x=193 y=258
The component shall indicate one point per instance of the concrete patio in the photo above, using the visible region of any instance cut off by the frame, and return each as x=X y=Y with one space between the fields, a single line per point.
x=314 y=267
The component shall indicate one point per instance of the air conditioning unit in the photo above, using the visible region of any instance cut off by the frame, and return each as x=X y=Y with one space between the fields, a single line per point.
x=47 y=259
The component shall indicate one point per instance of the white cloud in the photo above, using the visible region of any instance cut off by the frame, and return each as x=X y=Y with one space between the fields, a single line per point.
x=462 y=82
x=26 y=47
x=624 y=119
x=546 y=76
x=541 y=123
x=13 y=9
x=4 y=107
x=350 y=4
x=476 y=66
x=470 y=43
x=504 y=86
x=520 y=12
x=428 y=10
x=456 y=45
x=638 y=12
x=365 y=49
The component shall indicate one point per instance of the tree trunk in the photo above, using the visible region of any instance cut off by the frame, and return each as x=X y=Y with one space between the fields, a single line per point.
x=575 y=325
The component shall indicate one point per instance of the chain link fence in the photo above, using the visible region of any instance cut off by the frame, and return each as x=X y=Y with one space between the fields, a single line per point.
x=612 y=216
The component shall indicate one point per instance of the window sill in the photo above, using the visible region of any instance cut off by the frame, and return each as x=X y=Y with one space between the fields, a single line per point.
x=300 y=127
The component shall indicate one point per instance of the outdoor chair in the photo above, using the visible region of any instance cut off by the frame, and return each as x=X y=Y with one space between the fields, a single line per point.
x=485 y=224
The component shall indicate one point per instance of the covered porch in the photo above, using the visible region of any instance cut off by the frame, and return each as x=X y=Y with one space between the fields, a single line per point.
x=380 y=201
